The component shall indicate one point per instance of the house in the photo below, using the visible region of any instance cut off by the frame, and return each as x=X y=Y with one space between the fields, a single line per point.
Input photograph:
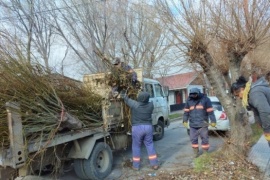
x=179 y=86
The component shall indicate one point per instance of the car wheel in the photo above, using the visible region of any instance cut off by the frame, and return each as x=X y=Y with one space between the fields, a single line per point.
x=159 y=131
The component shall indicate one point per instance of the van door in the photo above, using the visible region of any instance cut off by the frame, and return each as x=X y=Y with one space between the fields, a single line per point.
x=160 y=108
x=150 y=89
x=161 y=101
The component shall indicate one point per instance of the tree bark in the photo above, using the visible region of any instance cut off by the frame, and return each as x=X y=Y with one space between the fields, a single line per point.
x=240 y=128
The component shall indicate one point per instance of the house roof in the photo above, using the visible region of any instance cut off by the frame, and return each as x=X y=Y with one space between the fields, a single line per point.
x=178 y=81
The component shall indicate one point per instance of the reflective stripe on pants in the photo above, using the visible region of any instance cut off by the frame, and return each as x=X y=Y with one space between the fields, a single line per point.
x=194 y=137
x=143 y=133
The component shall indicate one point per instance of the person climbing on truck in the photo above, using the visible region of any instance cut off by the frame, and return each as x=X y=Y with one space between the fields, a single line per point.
x=142 y=129
x=119 y=64
x=131 y=74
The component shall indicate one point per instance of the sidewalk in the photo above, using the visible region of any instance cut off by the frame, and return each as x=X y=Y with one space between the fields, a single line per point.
x=260 y=156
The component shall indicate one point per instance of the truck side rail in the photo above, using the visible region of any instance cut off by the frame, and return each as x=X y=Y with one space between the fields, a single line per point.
x=62 y=138
x=15 y=155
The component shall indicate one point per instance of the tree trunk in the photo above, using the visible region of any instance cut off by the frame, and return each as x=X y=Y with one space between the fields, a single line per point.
x=240 y=129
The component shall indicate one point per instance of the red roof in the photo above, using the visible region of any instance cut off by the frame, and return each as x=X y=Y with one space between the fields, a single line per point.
x=178 y=81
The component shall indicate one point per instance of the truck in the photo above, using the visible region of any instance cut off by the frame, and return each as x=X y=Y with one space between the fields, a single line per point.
x=89 y=149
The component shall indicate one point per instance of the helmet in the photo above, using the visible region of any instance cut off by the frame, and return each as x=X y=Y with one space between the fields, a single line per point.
x=194 y=91
x=117 y=61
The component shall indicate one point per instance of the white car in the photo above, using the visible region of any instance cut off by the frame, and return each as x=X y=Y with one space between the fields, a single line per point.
x=223 y=123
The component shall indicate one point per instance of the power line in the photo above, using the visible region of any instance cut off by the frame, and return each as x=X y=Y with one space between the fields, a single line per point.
x=43 y=12
x=8 y=18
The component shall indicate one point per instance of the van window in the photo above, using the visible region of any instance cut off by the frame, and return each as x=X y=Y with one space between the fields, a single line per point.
x=158 y=89
x=149 y=89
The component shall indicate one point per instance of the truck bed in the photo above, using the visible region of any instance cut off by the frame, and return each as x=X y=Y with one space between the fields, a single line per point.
x=61 y=138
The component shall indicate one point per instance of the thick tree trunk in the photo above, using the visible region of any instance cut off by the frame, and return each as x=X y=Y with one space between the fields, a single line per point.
x=240 y=129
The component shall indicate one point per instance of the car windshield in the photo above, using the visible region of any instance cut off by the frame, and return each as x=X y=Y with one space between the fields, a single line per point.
x=217 y=106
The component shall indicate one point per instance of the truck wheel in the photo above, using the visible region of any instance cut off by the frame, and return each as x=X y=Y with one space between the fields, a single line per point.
x=78 y=168
x=99 y=164
x=159 y=130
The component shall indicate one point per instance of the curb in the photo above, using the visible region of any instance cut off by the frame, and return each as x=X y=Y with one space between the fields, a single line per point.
x=260 y=156
x=175 y=119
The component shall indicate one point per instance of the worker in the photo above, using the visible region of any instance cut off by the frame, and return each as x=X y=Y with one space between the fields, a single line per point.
x=142 y=129
x=125 y=67
x=197 y=110
x=118 y=64
x=255 y=94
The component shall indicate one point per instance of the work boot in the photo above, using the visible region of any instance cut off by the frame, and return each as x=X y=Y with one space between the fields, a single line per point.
x=196 y=152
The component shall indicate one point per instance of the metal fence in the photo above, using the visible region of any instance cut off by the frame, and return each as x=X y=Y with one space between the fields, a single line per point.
x=177 y=107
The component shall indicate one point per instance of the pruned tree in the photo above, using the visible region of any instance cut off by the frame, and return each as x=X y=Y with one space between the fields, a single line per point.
x=217 y=36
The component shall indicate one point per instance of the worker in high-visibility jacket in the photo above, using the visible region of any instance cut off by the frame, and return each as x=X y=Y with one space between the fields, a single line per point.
x=197 y=110
x=142 y=129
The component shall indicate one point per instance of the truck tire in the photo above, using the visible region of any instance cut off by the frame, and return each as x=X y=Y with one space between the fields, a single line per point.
x=159 y=130
x=78 y=168
x=99 y=164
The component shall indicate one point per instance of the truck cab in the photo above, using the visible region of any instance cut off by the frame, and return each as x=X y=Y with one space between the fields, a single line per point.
x=158 y=95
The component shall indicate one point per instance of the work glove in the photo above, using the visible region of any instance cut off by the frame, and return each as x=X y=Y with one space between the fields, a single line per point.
x=267 y=137
x=123 y=93
x=213 y=124
x=185 y=124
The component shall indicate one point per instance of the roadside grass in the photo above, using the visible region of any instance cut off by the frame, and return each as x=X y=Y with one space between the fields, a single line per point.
x=201 y=163
x=174 y=116
x=256 y=133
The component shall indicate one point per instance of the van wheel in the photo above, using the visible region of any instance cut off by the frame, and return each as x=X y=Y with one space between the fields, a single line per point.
x=98 y=165
x=159 y=131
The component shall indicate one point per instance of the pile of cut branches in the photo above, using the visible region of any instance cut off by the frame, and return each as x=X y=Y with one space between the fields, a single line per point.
x=48 y=102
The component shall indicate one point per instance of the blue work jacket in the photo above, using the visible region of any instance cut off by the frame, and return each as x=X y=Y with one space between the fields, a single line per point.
x=197 y=112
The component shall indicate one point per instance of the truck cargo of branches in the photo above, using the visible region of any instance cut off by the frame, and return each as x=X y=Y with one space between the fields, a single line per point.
x=89 y=149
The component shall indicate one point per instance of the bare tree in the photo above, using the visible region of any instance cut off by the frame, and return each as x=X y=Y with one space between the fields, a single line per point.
x=109 y=29
x=146 y=38
x=233 y=28
x=28 y=23
x=83 y=26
